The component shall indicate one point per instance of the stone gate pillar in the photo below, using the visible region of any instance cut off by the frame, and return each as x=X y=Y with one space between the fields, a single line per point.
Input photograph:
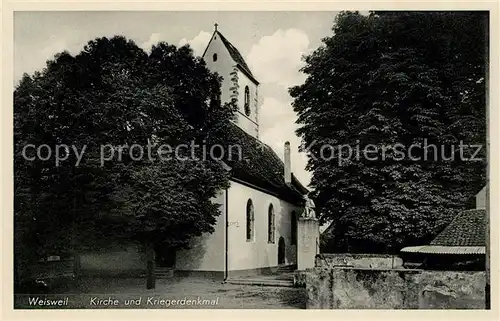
x=307 y=242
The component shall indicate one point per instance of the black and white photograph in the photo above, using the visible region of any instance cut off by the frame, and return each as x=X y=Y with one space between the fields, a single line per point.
x=251 y=160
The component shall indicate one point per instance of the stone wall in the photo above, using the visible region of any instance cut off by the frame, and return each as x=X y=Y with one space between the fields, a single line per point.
x=126 y=261
x=330 y=260
x=53 y=269
x=355 y=288
x=481 y=198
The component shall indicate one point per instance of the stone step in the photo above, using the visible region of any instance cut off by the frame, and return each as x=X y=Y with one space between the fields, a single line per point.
x=262 y=282
x=164 y=272
x=288 y=267
x=287 y=276
x=285 y=269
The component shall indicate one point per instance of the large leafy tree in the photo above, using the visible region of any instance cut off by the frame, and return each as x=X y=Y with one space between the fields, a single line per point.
x=115 y=94
x=394 y=80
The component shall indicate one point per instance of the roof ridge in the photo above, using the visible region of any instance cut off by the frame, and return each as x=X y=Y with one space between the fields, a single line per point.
x=235 y=53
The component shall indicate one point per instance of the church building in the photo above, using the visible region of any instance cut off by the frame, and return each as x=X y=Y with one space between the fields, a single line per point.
x=267 y=220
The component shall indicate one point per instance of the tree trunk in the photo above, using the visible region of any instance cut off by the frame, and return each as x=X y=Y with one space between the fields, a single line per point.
x=150 y=258
x=76 y=265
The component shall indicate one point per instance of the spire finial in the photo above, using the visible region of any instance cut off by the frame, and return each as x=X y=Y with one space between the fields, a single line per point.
x=215 y=25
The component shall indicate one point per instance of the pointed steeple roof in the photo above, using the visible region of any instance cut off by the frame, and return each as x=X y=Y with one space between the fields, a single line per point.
x=234 y=53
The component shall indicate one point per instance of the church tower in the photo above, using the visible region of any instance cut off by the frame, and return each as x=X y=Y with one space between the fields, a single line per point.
x=238 y=84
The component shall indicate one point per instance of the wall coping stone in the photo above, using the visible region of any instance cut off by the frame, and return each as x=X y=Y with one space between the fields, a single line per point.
x=355 y=255
x=308 y=219
x=348 y=268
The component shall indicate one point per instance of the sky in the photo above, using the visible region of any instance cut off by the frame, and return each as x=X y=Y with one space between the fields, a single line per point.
x=272 y=43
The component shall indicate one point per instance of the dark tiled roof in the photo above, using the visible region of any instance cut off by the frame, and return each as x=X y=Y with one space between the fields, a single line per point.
x=237 y=57
x=260 y=166
x=466 y=229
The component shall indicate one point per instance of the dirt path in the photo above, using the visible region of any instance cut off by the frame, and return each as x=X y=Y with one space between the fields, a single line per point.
x=170 y=293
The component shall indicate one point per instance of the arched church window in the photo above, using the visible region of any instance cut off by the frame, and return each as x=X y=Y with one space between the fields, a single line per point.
x=214 y=57
x=270 y=224
x=294 y=228
x=247 y=101
x=250 y=220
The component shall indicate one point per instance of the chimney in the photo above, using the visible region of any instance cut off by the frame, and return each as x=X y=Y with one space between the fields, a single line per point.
x=288 y=166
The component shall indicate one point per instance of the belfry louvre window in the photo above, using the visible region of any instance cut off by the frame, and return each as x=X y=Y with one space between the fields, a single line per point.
x=250 y=221
x=271 y=224
x=247 y=101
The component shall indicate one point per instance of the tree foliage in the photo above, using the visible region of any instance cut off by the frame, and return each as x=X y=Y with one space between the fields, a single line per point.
x=115 y=94
x=408 y=78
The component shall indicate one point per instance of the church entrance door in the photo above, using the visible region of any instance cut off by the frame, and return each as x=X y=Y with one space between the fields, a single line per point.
x=281 y=251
